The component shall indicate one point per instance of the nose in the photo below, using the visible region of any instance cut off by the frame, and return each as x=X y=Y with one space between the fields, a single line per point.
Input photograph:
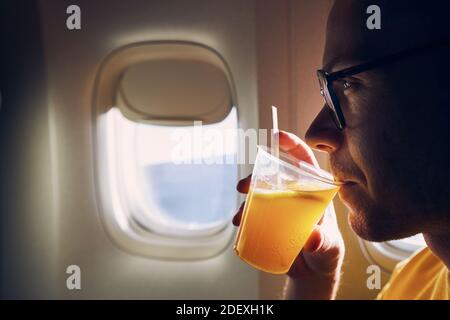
x=323 y=134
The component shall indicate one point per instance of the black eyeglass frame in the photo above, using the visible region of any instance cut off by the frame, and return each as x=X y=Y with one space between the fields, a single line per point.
x=326 y=79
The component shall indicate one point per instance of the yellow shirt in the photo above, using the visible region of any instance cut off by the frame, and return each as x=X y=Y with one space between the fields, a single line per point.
x=421 y=277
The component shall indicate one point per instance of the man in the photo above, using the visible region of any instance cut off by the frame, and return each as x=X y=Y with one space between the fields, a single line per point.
x=385 y=126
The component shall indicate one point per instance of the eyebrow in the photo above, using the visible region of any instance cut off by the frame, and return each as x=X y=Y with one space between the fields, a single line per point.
x=339 y=63
x=332 y=63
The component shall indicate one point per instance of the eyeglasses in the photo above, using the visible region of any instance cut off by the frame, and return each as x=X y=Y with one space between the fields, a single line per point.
x=326 y=79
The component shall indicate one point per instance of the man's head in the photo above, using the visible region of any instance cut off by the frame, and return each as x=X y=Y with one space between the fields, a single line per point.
x=395 y=147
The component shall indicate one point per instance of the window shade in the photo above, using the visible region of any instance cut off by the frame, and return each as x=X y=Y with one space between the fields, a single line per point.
x=174 y=85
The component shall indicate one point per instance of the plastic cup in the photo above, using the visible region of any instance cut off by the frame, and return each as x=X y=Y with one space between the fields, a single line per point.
x=285 y=201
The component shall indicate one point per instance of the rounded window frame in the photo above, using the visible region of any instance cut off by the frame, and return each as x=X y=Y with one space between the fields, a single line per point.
x=121 y=228
x=387 y=254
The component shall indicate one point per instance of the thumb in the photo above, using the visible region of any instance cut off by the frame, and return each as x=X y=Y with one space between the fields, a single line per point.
x=315 y=240
x=321 y=252
x=320 y=242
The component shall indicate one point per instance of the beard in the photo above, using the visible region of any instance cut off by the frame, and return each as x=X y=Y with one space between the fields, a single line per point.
x=373 y=222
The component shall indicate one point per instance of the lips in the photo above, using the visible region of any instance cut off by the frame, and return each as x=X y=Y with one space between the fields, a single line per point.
x=343 y=180
x=340 y=177
x=347 y=187
x=348 y=184
x=346 y=191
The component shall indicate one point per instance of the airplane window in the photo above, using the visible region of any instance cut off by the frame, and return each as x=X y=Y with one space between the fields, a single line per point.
x=410 y=244
x=173 y=181
x=387 y=254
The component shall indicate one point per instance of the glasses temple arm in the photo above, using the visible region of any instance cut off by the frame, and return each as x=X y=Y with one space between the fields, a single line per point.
x=385 y=60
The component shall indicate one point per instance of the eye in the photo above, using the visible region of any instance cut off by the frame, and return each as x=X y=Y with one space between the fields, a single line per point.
x=344 y=84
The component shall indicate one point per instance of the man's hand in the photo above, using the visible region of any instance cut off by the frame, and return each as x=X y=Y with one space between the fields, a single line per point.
x=315 y=272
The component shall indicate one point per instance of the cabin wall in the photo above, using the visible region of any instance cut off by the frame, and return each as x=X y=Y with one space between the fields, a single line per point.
x=50 y=217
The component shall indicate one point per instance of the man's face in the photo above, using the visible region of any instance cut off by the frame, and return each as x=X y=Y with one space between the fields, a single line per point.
x=391 y=150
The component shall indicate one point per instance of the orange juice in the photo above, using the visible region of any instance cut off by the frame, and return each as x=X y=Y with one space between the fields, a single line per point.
x=277 y=223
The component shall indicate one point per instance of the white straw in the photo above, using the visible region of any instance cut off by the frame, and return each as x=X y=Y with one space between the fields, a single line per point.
x=275 y=140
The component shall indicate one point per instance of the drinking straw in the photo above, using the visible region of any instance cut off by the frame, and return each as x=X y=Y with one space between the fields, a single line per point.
x=275 y=141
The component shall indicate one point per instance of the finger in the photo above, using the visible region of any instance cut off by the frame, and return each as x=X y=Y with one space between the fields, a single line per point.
x=301 y=265
x=244 y=184
x=321 y=252
x=238 y=216
x=296 y=147
x=322 y=241
x=320 y=255
x=314 y=241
